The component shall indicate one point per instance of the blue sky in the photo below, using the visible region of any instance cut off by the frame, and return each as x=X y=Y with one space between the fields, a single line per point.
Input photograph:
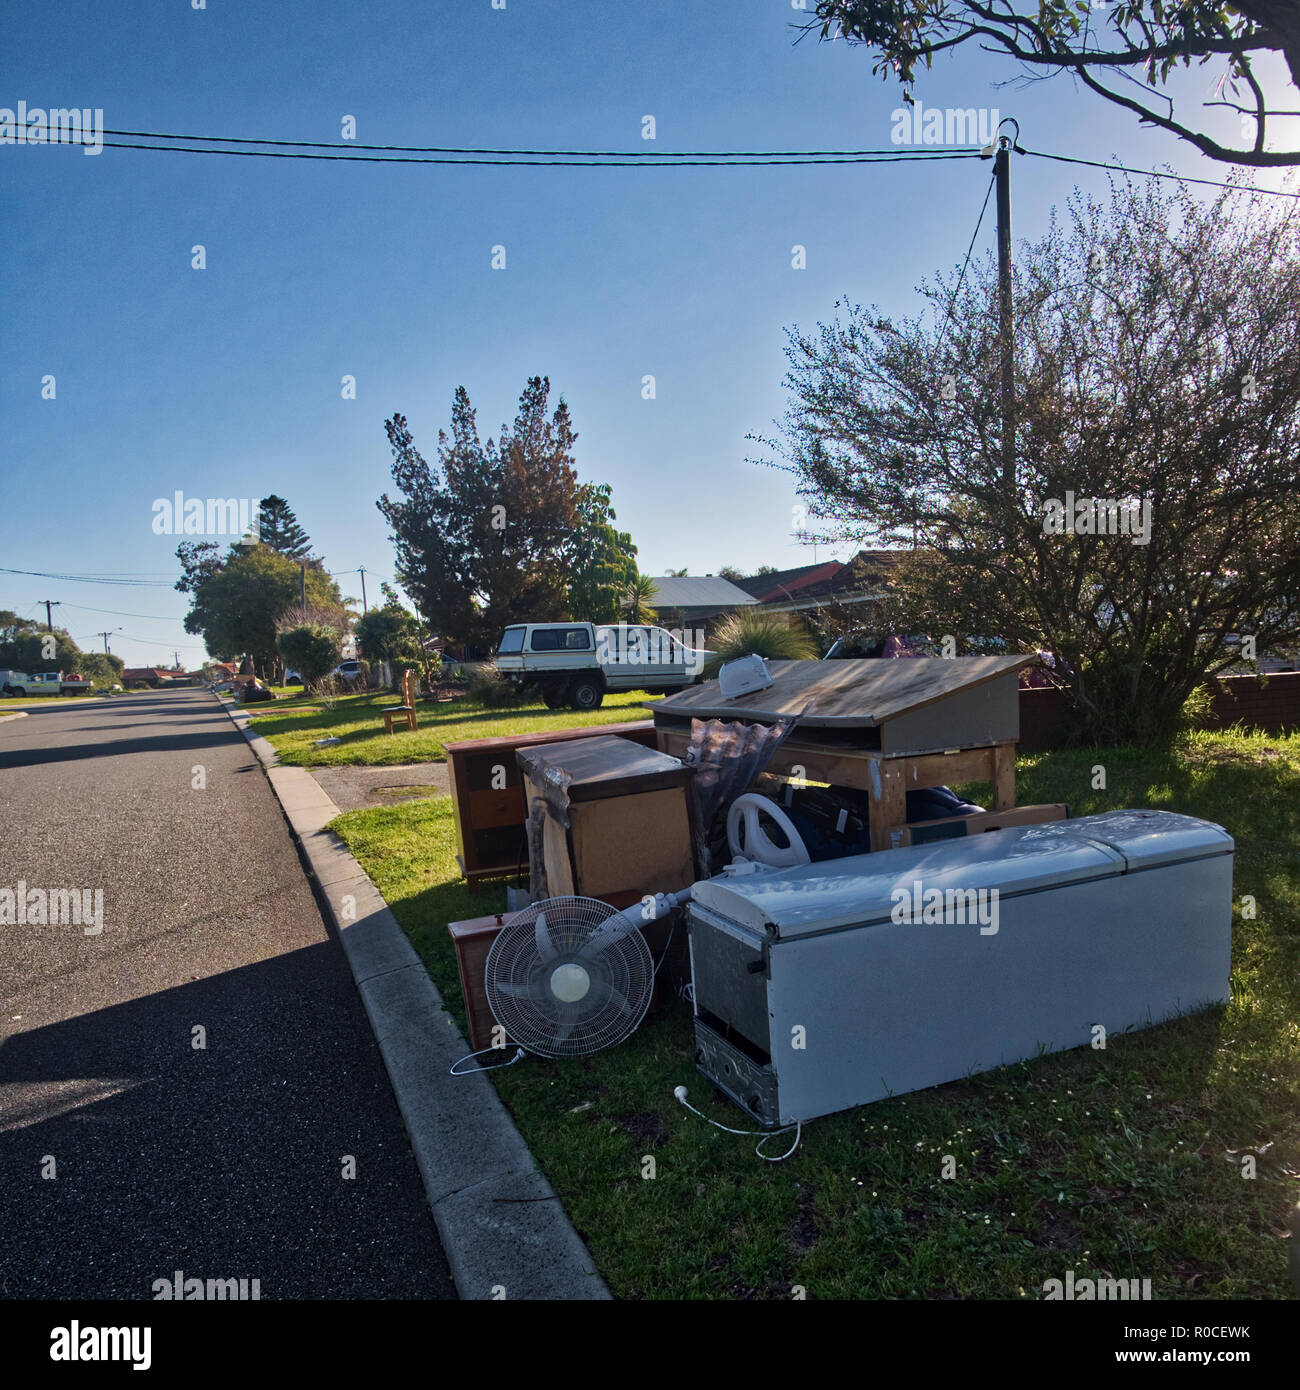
x=226 y=381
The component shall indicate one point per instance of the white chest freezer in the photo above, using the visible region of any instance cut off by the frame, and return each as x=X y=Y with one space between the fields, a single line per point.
x=842 y=982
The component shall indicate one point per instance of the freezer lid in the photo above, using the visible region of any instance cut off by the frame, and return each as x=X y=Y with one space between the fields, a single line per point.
x=1148 y=839
x=785 y=903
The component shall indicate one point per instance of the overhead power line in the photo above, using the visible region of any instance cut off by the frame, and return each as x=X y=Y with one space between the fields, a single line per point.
x=1160 y=174
x=119 y=613
x=687 y=162
x=125 y=581
x=483 y=156
x=346 y=146
x=965 y=266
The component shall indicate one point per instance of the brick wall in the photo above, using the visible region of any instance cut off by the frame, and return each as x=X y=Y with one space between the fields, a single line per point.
x=1273 y=707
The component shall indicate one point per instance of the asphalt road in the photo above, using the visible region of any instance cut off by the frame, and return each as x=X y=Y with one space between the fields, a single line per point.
x=225 y=1161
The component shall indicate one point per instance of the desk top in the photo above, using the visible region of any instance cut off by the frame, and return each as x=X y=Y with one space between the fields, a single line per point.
x=845 y=694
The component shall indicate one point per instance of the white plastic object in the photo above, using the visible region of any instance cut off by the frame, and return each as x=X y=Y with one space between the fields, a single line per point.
x=745 y=674
x=749 y=808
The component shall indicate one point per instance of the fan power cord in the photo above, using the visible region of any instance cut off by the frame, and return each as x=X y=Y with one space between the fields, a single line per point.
x=680 y=1093
x=469 y=1071
x=663 y=955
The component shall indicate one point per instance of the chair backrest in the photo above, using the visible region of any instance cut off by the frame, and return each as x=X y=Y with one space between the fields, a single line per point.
x=408 y=688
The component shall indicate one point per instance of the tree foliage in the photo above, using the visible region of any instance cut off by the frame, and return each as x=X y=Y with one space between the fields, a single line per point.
x=23 y=642
x=235 y=606
x=394 y=634
x=637 y=604
x=309 y=645
x=1157 y=360
x=603 y=558
x=498 y=531
x=279 y=530
x=1123 y=50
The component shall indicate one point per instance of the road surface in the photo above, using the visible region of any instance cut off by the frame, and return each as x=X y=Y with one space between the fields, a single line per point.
x=187 y=1088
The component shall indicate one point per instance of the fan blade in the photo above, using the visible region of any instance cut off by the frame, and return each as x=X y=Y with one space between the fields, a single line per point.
x=512 y=991
x=563 y=1027
x=601 y=995
x=608 y=934
x=545 y=946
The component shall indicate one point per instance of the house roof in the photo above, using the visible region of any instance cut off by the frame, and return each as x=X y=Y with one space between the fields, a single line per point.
x=689 y=591
x=772 y=588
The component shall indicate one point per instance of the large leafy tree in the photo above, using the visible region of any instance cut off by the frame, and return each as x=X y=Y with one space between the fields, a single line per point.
x=486 y=536
x=23 y=642
x=1158 y=361
x=1123 y=50
x=602 y=559
x=390 y=632
x=279 y=529
x=235 y=607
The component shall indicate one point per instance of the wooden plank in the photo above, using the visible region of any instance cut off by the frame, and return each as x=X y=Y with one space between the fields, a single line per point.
x=983 y=821
x=1004 y=777
x=844 y=694
x=888 y=797
x=641 y=731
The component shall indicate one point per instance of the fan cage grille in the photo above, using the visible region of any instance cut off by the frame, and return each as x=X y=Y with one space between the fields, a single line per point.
x=519 y=978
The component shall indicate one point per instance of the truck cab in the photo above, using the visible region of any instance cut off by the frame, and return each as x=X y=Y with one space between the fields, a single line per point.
x=577 y=663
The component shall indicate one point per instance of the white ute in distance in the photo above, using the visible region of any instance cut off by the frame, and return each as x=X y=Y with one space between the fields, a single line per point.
x=575 y=664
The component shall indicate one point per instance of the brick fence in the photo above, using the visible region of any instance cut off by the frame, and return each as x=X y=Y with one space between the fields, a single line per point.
x=1271 y=706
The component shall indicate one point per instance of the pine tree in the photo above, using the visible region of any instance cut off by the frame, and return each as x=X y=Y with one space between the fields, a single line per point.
x=280 y=530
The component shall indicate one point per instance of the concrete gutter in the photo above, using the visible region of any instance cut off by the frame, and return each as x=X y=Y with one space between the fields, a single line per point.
x=17 y=714
x=503 y=1229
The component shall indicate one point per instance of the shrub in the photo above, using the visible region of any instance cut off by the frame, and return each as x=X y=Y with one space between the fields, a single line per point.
x=771 y=635
x=311 y=648
x=491 y=689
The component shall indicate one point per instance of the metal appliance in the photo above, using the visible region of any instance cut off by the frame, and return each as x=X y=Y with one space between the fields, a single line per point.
x=817 y=988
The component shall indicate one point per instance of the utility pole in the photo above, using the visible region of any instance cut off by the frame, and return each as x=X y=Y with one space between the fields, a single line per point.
x=105 y=636
x=176 y=656
x=302 y=585
x=49 y=603
x=362 y=573
x=1006 y=311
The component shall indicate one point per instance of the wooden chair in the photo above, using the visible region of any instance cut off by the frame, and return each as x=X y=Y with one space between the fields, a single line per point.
x=407 y=707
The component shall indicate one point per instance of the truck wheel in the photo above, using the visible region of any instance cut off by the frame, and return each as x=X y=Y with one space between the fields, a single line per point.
x=554 y=696
x=586 y=692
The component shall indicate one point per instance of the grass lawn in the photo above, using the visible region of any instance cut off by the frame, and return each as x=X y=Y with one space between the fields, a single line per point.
x=1119 y=1163
x=293 y=725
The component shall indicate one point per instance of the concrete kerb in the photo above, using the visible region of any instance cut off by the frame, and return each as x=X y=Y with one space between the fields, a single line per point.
x=502 y=1226
x=17 y=714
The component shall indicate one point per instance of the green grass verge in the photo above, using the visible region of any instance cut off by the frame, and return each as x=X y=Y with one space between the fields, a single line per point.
x=293 y=725
x=1121 y=1163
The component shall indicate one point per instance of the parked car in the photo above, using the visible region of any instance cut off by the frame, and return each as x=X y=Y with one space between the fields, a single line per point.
x=349 y=671
x=577 y=663
x=43 y=683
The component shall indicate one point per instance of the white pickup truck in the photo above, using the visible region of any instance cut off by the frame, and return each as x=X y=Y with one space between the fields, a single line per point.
x=44 y=683
x=576 y=663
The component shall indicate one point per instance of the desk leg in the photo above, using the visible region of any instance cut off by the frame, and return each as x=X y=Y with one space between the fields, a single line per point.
x=887 y=790
x=1004 y=777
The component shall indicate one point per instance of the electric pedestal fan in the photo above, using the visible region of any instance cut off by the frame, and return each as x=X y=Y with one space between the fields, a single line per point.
x=568 y=976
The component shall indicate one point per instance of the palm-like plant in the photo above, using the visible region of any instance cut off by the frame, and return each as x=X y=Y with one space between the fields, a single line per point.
x=637 y=600
x=751 y=633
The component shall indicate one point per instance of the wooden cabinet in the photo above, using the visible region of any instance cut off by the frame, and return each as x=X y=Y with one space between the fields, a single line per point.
x=488 y=799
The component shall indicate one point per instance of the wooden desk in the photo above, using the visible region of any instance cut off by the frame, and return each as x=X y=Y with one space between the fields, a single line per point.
x=487 y=796
x=885 y=779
